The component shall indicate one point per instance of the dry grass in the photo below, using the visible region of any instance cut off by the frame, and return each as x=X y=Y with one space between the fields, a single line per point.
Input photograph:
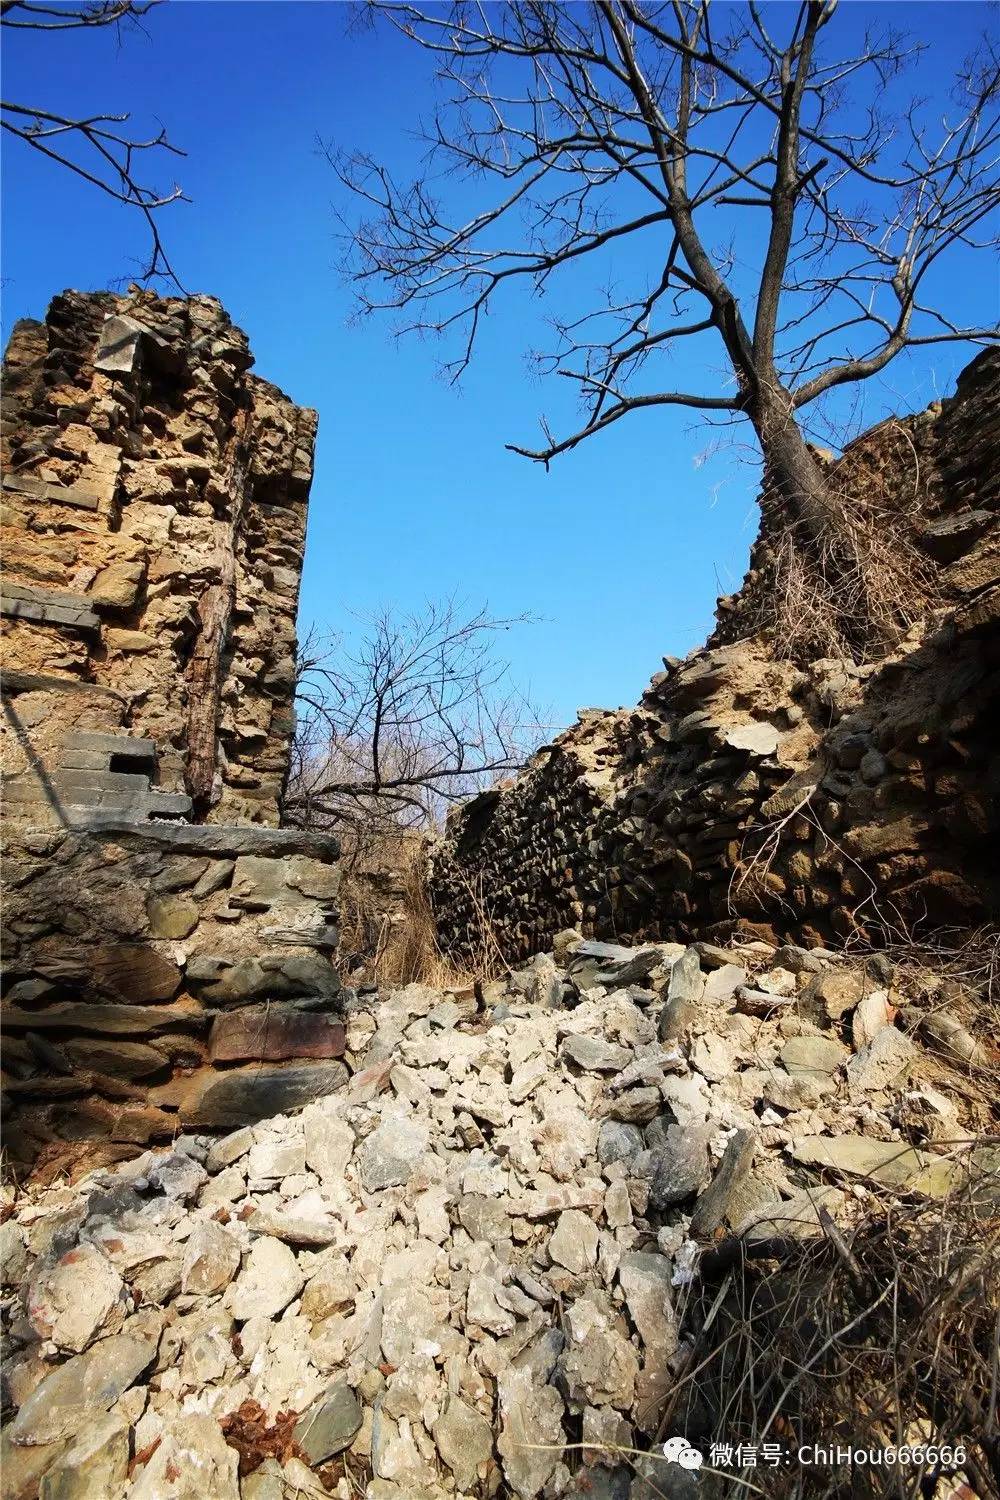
x=857 y=589
x=855 y=593
x=882 y=1336
x=394 y=941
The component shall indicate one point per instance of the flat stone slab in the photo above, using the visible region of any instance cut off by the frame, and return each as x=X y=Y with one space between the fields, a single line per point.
x=220 y=838
x=892 y=1163
x=271 y=1034
x=245 y=1095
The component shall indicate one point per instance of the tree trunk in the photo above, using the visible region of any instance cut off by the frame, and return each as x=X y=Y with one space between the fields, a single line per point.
x=791 y=469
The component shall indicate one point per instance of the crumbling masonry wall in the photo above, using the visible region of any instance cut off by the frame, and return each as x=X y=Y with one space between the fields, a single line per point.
x=807 y=801
x=155 y=499
x=167 y=947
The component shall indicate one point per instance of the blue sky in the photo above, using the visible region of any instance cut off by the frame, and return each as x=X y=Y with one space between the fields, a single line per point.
x=620 y=549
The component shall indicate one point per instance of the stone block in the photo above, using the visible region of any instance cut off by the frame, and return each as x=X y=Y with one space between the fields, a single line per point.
x=53 y=494
x=272 y=1033
x=171 y=916
x=19 y=601
x=113 y=744
x=134 y=973
x=244 y=1095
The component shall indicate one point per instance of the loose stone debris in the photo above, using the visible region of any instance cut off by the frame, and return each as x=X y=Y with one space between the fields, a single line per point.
x=461 y=1275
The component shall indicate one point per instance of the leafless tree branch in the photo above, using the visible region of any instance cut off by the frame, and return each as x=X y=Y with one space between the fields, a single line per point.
x=91 y=147
x=579 y=128
x=420 y=713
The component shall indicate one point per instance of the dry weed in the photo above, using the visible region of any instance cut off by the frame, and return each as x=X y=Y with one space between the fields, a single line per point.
x=394 y=940
x=858 y=589
x=882 y=1336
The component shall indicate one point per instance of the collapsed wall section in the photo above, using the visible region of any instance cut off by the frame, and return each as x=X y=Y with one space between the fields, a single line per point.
x=813 y=802
x=167 y=947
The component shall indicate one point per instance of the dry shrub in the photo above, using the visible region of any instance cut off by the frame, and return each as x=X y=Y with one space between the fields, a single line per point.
x=858 y=588
x=855 y=592
x=388 y=926
x=874 y=1338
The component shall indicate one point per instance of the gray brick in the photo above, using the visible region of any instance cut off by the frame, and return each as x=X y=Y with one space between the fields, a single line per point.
x=31 y=591
x=101 y=781
x=22 y=791
x=84 y=760
x=47 y=607
x=56 y=494
x=112 y=744
x=177 y=803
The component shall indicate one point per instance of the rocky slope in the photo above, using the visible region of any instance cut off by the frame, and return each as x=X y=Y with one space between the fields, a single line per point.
x=477 y=1269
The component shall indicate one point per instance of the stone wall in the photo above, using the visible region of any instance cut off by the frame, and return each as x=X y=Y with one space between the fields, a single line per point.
x=154 y=517
x=807 y=801
x=167 y=948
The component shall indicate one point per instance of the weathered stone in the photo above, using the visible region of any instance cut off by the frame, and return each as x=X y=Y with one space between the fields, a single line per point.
x=133 y=973
x=892 y=1163
x=833 y=994
x=329 y=1144
x=635 y=1106
x=617 y=1141
x=234 y=1098
x=594 y=1055
x=483 y=1218
x=294 y=1229
x=95 y=1464
x=388 y=1156
x=680 y=1165
x=531 y=1434
x=230 y=1148
x=329 y=1425
x=14 y=1258
x=733 y=1193
x=269 y=1280
x=191 y=1462
x=272 y=1033
x=330 y=1288
x=464 y=1440
x=119 y=1059
x=89 y=1383
x=645 y=1281
x=755 y=739
x=883 y=1063
x=598 y=1365
x=78 y=1297
x=684 y=991
x=574 y=1241
x=211 y=1260
x=813 y=1056
x=171 y=916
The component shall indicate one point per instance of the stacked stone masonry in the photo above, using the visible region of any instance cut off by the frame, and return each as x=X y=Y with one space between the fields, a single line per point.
x=812 y=801
x=154 y=517
x=167 y=947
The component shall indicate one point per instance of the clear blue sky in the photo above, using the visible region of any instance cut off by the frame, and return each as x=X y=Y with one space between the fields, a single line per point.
x=621 y=548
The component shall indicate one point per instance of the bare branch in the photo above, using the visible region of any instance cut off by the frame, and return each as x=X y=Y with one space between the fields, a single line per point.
x=579 y=128
x=419 y=713
x=88 y=147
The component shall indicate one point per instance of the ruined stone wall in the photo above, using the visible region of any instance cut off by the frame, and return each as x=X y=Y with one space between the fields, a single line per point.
x=806 y=801
x=167 y=948
x=154 y=522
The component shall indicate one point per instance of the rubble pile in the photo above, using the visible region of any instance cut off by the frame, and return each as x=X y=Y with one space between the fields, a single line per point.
x=465 y=1272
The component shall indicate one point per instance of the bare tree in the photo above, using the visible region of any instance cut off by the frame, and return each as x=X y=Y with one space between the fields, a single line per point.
x=777 y=206
x=94 y=147
x=416 y=716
